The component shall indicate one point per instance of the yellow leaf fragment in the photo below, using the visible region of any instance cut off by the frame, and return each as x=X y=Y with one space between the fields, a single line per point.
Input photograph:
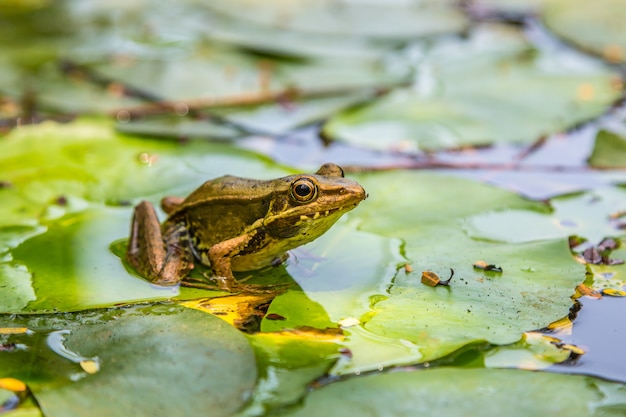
x=583 y=290
x=12 y=384
x=13 y=330
x=430 y=278
x=562 y=326
x=573 y=348
x=332 y=335
x=537 y=337
x=236 y=309
x=90 y=366
x=613 y=292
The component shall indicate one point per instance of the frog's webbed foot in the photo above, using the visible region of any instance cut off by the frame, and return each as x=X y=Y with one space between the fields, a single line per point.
x=159 y=256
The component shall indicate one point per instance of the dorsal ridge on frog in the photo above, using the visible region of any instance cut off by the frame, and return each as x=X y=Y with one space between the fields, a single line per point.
x=238 y=224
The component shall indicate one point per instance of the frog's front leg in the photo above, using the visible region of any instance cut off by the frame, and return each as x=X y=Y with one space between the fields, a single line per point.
x=220 y=256
x=161 y=256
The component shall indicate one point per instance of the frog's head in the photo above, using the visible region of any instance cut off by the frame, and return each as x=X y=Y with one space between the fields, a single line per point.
x=309 y=204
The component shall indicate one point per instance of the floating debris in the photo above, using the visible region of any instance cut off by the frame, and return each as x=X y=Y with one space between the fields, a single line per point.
x=432 y=279
x=487 y=267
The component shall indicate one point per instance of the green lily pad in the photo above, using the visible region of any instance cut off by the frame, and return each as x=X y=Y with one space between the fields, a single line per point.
x=277 y=119
x=410 y=19
x=471 y=91
x=586 y=215
x=283 y=117
x=221 y=76
x=155 y=361
x=456 y=392
x=609 y=151
x=181 y=128
x=291 y=43
x=534 y=291
x=602 y=32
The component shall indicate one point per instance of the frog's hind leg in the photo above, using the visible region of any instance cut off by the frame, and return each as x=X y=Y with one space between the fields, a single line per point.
x=161 y=256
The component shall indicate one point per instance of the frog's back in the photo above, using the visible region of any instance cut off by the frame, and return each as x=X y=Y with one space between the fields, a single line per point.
x=223 y=208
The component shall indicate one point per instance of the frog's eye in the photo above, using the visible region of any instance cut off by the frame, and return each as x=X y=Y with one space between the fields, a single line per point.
x=303 y=190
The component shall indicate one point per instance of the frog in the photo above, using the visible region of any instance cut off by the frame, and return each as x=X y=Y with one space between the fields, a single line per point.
x=237 y=224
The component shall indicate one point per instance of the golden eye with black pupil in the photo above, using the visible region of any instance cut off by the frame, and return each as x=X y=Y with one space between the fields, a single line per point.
x=303 y=190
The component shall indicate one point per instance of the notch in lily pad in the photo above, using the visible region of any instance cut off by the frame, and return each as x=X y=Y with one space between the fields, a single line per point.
x=432 y=279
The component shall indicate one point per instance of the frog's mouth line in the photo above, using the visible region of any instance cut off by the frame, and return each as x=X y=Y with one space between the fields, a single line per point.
x=320 y=214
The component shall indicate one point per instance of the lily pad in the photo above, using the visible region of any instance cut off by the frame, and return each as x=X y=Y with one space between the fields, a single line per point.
x=291 y=43
x=609 y=151
x=586 y=215
x=410 y=19
x=534 y=291
x=220 y=76
x=471 y=91
x=155 y=361
x=602 y=32
x=456 y=392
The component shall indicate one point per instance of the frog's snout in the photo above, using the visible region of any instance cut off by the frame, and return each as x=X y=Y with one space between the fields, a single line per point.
x=359 y=193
